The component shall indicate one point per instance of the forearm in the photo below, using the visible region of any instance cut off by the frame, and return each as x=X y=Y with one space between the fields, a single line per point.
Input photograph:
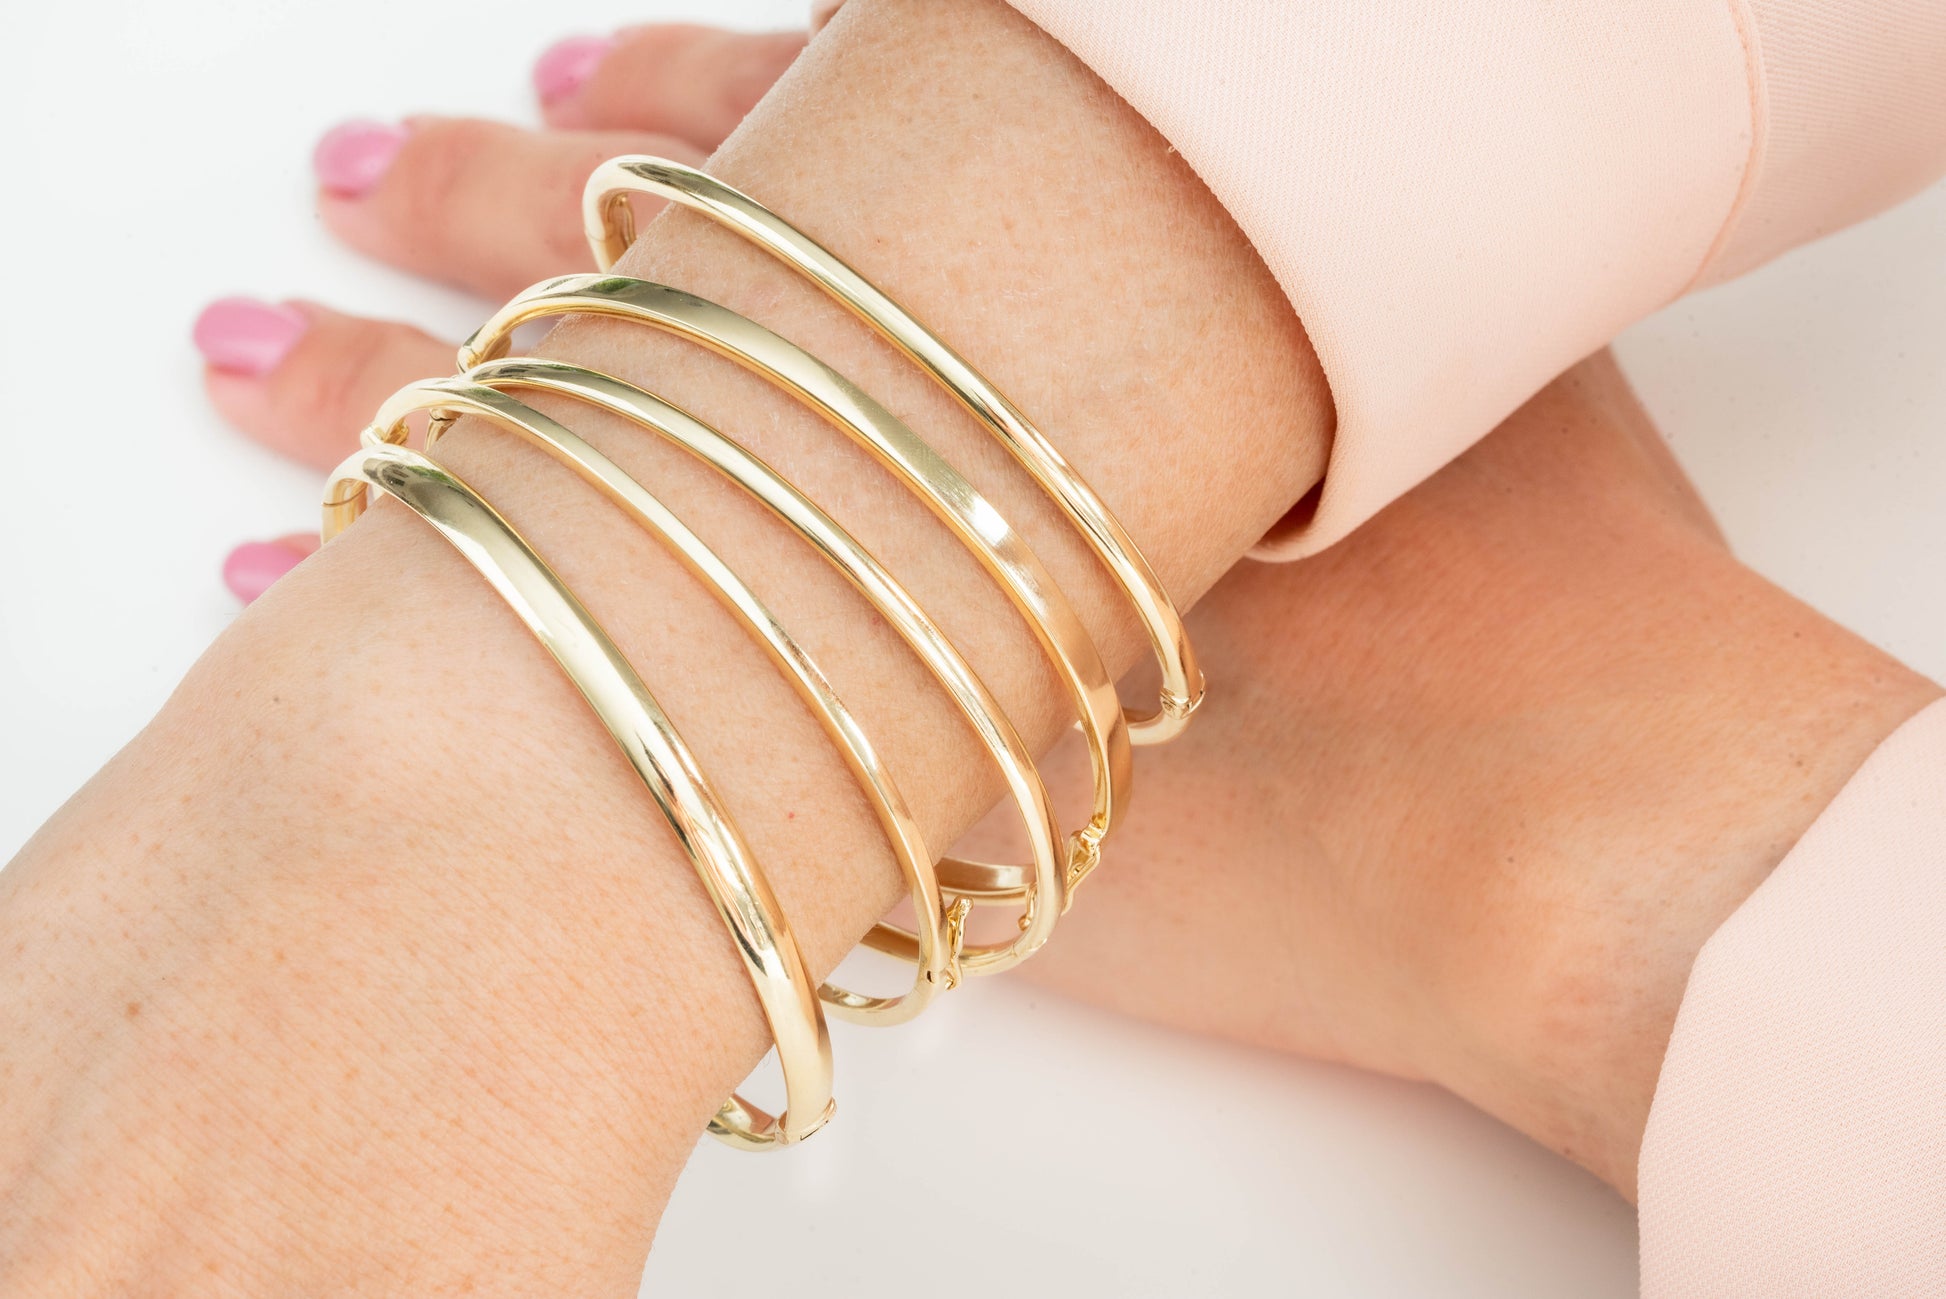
x=384 y=965
x=376 y=835
x=1516 y=750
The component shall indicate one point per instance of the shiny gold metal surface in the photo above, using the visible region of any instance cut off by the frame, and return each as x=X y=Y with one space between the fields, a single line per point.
x=610 y=229
x=942 y=895
x=658 y=754
x=951 y=498
x=903 y=614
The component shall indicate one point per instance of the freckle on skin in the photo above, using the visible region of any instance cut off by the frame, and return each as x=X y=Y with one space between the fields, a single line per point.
x=133 y=1009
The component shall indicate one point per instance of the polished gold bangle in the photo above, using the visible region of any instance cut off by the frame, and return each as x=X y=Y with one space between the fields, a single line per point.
x=937 y=944
x=951 y=498
x=888 y=597
x=744 y=902
x=658 y=754
x=610 y=227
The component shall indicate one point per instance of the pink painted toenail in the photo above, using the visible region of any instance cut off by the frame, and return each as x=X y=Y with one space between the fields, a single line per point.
x=246 y=336
x=253 y=566
x=353 y=156
x=567 y=65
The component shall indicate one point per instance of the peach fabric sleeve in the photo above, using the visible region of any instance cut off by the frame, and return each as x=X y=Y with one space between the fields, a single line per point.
x=1797 y=1145
x=1463 y=198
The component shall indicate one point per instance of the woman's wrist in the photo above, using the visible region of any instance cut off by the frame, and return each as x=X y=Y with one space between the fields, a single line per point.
x=1515 y=749
x=1727 y=716
x=387 y=893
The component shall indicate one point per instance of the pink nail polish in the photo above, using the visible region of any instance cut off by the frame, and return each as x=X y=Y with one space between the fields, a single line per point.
x=253 y=566
x=567 y=65
x=245 y=336
x=352 y=157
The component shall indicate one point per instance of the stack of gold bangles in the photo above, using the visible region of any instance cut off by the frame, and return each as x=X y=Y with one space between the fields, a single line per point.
x=942 y=894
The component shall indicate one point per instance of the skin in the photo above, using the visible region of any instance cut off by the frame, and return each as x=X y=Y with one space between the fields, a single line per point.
x=368 y=968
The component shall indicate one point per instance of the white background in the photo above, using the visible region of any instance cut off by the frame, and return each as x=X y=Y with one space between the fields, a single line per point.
x=157 y=157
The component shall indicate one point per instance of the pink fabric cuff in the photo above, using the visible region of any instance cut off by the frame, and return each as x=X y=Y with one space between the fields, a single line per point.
x=1797 y=1145
x=1463 y=199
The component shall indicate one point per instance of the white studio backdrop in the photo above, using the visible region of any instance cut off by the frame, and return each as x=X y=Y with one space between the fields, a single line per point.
x=1009 y=1139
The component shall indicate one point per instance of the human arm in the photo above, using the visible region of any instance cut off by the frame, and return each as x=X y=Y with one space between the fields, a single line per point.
x=240 y=667
x=468 y=797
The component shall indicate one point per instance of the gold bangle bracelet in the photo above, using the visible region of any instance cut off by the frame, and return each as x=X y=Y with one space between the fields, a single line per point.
x=950 y=497
x=658 y=754
x=936 y=944
x=942 y=894
x=610 y=227
x=892 y=602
